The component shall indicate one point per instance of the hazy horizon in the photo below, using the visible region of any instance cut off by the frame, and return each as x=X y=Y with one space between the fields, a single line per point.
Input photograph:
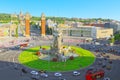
x=105 y=9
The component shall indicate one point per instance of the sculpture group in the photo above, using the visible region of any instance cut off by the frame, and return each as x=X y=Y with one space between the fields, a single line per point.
x=57 y=50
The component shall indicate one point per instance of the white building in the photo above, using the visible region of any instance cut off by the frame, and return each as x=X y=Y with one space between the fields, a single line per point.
x=50 y=23
x=73 y=23
x=77 y=24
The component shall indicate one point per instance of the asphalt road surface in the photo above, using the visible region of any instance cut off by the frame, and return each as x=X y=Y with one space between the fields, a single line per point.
x=10 y=68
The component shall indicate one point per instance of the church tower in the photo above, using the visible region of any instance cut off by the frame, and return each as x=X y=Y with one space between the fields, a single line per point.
x=43 y=23
x=27 y=24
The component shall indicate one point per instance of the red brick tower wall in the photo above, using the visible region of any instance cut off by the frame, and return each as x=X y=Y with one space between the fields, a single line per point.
x=43 y=27
x=27 y=29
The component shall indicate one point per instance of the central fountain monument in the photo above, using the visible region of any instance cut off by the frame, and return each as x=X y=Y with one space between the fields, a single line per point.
x=57 y=49
x=57 y=41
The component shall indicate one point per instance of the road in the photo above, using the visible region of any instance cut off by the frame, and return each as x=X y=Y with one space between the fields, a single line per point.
x=9 y=62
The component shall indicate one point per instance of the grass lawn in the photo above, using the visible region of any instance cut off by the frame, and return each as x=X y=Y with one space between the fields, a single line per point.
x=28 y=58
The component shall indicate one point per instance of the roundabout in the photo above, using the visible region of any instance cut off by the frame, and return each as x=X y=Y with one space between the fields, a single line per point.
x=29 y=58
x=56 y=57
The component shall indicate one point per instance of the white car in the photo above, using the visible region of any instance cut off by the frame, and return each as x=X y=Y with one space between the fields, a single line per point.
x=76 y=73
x=44 y=75
x=58 y=74
x=107 y=78
x=34 y=72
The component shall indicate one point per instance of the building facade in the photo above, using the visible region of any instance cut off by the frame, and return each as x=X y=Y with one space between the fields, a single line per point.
x=104 y=33
x=114 y=26
x=7 y=30
x=88 y=31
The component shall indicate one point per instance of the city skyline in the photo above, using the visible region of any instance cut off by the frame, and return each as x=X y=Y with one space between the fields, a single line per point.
x=64 y=8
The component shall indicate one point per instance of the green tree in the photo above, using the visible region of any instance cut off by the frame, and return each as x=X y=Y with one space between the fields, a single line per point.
x=112 y=39
x=117 y=36
x=16 y=34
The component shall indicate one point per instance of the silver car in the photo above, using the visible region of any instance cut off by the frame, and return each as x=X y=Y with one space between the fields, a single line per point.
x=58 y=74
x=76 y=73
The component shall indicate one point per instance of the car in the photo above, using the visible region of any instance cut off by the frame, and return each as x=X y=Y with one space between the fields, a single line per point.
x=60 y=78
x=0 y=50
x=110 y=61
x=106 y=78
x=77 y=44
x=34 y=72
x=103 y=65
x=35 y=77
x=117 y=42
x=90 y=68
x=108 y=67
x=30 y=45
x=44 y=75
x=58 y=74
x=76 y=73
x=23 y=70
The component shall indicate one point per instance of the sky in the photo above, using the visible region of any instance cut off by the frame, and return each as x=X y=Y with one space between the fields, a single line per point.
x=64 y=8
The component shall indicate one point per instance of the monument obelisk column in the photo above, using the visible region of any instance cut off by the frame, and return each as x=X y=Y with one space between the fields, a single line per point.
x=43 y=23
x=27 y=25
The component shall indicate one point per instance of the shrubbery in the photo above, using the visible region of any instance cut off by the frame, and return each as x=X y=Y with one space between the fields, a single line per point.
x=71 y=57
x=54 y=59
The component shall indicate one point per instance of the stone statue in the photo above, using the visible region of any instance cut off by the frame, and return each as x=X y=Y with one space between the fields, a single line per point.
x=57 y=40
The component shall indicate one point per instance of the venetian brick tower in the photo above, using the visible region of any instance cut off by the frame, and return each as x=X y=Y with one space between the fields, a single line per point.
x=43 y=23
x=27 y=24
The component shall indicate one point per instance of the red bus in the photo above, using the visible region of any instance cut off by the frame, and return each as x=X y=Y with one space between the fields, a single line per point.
x=94 y=75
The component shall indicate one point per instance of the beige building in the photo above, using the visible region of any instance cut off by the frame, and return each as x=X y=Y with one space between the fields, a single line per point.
x=88 y=31
x=63 y=26
x=104 y=33
x=7 y=30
